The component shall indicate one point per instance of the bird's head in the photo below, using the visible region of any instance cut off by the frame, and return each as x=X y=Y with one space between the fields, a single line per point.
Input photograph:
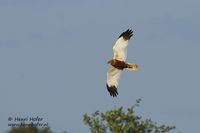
x=110 y=61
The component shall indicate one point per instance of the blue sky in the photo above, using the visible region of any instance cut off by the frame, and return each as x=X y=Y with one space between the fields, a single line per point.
x=53 y=58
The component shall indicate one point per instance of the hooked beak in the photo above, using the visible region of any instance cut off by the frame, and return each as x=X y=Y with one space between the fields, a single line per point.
x=109 y=62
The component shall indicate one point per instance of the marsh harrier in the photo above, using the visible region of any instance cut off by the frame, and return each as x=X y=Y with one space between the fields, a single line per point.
x=118 y=63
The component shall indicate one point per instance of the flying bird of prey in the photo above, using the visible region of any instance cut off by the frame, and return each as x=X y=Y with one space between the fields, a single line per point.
x=118 y=63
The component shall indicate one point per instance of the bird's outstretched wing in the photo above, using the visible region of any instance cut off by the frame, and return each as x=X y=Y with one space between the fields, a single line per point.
x=119 y=49
x=113 y=76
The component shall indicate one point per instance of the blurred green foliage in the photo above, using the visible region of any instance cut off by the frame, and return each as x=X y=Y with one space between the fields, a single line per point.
x=29 y=129
x=119 y=121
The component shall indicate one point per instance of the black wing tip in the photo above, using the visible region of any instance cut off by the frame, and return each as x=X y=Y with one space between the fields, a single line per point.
x=127 y=34
x=112 y=90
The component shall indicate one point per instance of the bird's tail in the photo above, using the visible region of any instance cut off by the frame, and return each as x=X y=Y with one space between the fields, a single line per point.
x=132 y=67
